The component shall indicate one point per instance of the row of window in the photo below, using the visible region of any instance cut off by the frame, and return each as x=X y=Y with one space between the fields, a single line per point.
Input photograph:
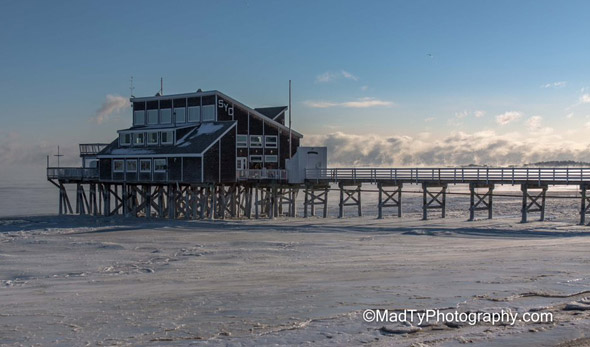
x=256 y=141
x=145 y=165
x=195 y=114
x=267 y=158
x=151 y=138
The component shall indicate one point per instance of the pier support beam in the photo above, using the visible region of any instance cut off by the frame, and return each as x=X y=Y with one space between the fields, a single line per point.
x=479 y=201
x=390 y=195
x=315 y=195
x=349 y=197
x=585 y=208
x=530 y=202
x=436 y=200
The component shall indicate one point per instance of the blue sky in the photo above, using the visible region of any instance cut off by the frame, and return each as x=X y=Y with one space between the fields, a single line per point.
x=427 y=72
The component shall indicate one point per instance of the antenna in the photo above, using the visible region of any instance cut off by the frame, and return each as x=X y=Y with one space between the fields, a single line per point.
x=290 y=138
x=58 y=156
x=161 y=86
x=131 y=87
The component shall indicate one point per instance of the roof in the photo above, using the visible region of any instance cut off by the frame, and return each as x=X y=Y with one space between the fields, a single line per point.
x=271 y=112
x=196 y=142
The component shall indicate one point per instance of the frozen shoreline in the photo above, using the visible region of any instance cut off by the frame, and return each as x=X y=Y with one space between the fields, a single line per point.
x=76 y=280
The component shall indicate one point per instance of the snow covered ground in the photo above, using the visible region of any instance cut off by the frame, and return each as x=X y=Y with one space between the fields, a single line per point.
x=83 y=280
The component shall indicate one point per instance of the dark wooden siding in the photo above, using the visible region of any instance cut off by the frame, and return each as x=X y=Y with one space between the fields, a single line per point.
x=104 y=167
x=191 y=170
x=228 y=157
x=174 y=169
x=225 y=110
x=242 y=117
x=211 y=164
x=256 y=126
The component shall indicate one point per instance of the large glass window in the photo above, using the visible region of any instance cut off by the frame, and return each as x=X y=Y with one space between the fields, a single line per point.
x=270 y=141
x=131 y=166
x=180 y=115
x=125 y=139
x=152 y=138
x=208 y=113
x=160 y=165
x=152 y=116
x=167 y=137
x=255 y=141
x=138 y=117
x=118 y=165
x=145 y=165
x=270 y=158
x=194 y=114
x=138 y=139
x=256 y=159
x=166 y=116
x=242 y=141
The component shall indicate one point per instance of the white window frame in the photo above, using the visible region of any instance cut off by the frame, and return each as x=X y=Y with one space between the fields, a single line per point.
x=254 y=158
x=148 y=116
x=165 y=110
x=269 y=137
x=147 y=140
x=135 y=114
x=135 y=136
x=205 y=109
x=275 y=158
x=256 y=144
x=170 y=141
x=145 y=161
x=242 y=143
x=122 y=165
x=130 y=161
x=122 y=136
x=159 y=160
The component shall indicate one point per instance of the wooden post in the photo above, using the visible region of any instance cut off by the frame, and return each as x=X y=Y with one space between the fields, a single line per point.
x=523 y=218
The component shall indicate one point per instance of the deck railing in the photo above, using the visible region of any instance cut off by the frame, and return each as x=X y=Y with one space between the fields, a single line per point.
x=77 y=173
x=264 y=174
x=454 y=175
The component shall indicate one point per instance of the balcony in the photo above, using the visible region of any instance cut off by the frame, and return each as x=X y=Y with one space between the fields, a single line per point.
x=263 y=174
x=72 y=173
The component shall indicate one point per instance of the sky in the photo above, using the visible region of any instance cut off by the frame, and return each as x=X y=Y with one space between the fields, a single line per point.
x=381 y=83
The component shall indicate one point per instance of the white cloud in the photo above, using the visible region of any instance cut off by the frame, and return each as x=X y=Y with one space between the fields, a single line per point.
x=534 y=122
x=485 y=147
x=559 y=84
x=330 y=76
x=467 y=113
x=429 y=119
x=112 y=104
x=360 y=103
x=460 y=115
x=569 y=115
x=585 y=99
x=508 y=117
x=479 y=113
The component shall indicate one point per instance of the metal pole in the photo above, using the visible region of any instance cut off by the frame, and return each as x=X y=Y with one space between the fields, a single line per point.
x=290 y=118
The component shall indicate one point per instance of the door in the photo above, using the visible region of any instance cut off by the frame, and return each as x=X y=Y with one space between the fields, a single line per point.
x=241 y=165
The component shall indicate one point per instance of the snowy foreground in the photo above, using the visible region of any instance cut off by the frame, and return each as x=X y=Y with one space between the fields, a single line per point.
x=104 y=281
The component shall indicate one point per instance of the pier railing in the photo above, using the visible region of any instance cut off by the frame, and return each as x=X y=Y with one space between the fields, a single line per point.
x=264 y=174
x=454 y=175
x=76 y=173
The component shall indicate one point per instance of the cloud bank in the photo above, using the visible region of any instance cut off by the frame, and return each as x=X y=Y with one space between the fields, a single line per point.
x=483 y=148
x=360 y=103
x=508 y=117
x=330 y=76
x=112 y=104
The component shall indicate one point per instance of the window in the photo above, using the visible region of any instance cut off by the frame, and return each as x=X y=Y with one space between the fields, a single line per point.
x=138 y=139
x=152 y=116
x=131 y=166
x=208 y=113
x=256 y=159
x=117 y=165
x=255 y=141
x=138 y=117
x=270 y=158
x=180 y=115
x=152 y=138
x=167 y=137
x=160 y=165
x=125 y=139
x=270 y=141
x=92 y=163
x=145 y=165
x=166 y=116
x=242 y=141
x=194 y=114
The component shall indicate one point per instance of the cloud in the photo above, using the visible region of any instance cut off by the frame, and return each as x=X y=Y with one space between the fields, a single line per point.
x=360 y=103
x=485 y=147
x=466 y=113
x=364 y=88
x=585 y=99
x=330 y=76
x=112 y=104
x=534 y=122
x=569 y=115
x=559 y=84
x=16 y=149
x=429 y=119
x=479 y=113
x=508 y=117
